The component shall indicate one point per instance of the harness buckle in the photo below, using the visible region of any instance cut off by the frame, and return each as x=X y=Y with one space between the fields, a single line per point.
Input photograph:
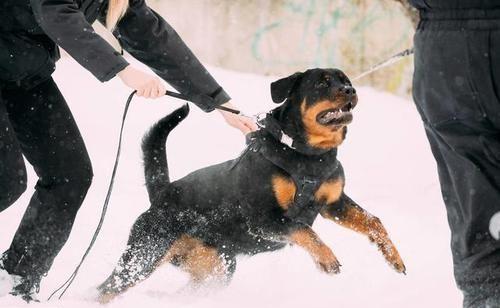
x=309 y=181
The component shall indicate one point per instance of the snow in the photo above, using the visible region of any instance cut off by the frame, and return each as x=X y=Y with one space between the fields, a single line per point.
x=389 y=170
x=7 y=282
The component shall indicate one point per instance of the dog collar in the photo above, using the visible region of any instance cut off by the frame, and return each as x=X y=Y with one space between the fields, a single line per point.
x=272 y=126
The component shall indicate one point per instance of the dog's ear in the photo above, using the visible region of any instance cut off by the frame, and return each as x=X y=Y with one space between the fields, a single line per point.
x=282 y=88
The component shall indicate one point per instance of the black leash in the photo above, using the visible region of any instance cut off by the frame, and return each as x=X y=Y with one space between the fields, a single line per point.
x=65 y=286
x=186 y=98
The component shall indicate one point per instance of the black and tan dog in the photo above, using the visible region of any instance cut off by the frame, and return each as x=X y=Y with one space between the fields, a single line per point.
x=263 y=200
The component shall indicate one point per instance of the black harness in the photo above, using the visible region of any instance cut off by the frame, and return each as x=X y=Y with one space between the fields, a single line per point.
x=307 y=171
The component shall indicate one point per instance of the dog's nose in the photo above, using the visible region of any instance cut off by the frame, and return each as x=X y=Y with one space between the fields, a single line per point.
x=348 y=90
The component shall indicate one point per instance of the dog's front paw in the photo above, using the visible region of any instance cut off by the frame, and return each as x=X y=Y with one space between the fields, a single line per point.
x=400 y=267
x=397 y=263
x=392 y=257
x=327 y=262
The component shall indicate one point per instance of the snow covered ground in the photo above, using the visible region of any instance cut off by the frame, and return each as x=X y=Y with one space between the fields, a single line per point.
x=389 y=169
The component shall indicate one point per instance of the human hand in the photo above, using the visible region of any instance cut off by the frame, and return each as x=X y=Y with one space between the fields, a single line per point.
x=146 y=85
x=244 y=124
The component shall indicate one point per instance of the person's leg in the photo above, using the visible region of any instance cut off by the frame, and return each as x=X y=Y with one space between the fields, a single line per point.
x=51 y=142
x=12 y=179
x=12 y=169
x=452 y=97
x=470 y=184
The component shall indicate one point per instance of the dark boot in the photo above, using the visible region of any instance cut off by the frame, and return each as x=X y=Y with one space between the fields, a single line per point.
x=24 y=287
x=27 y=288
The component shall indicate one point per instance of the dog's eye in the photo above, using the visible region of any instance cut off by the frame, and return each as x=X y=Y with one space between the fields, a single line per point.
x=345 y=80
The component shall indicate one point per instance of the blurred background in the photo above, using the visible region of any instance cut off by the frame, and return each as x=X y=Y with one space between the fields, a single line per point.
x=278 y=37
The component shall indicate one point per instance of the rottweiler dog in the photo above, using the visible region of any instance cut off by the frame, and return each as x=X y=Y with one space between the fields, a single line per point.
x=261 y=201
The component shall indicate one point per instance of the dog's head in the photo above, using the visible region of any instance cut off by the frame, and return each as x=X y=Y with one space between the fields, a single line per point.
x=316 y=106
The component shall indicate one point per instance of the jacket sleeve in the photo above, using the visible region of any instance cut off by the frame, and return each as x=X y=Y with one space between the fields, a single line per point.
x=66 y=26
x=151 y=40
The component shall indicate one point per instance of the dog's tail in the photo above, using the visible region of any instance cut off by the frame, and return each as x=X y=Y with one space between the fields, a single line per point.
x=154 y=153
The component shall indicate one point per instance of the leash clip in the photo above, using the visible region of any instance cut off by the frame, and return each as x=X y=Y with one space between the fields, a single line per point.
x=259 y=119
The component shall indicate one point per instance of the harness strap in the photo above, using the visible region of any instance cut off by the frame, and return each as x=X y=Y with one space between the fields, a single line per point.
x=303 y=208
x=307 y=180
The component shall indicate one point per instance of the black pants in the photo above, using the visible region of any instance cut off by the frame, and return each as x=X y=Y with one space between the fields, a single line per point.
x=38 y=125
x=456 y=90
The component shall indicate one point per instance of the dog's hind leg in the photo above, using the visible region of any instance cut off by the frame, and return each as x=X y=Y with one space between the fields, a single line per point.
x=202 y=262
x=347 y=213
x=146 y=248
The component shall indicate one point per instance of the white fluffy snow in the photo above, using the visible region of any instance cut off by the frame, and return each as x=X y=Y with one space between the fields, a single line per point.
x=7 y=282
x=389 y=170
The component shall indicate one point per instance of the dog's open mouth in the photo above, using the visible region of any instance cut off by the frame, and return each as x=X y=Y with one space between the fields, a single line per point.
x=339 y=116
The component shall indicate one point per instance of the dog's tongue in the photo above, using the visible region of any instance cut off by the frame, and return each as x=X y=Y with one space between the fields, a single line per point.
x=329 y=116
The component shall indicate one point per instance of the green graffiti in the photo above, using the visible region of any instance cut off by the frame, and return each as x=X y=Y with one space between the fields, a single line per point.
x=319 y=22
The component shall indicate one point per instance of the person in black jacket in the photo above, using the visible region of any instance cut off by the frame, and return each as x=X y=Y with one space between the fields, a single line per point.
x=35 y=121
x=457 y=92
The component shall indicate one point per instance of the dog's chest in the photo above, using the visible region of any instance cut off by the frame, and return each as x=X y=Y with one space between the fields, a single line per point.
x=300 y=184
x=286 y=192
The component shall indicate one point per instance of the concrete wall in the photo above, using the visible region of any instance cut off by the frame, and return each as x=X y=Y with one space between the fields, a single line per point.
x=279 y=37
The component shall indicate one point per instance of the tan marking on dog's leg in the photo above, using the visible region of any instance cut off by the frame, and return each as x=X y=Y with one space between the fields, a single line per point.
x=204 y=262
x=179 y=249
x=104 y=299
x=330 y=191
x=322 y=254
x=196 y=258
x=355 y=218
x=320 y=136
x=284 y=190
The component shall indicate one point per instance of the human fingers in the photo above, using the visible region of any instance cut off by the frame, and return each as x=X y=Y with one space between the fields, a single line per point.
x=148 y=90
x=161 y=90
x=249 y=123
x=242 y=126
x=154 y=88
x=141 y=90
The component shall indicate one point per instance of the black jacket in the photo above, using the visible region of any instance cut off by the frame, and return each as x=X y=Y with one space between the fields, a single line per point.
x=455 y=4
x=31 y=29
